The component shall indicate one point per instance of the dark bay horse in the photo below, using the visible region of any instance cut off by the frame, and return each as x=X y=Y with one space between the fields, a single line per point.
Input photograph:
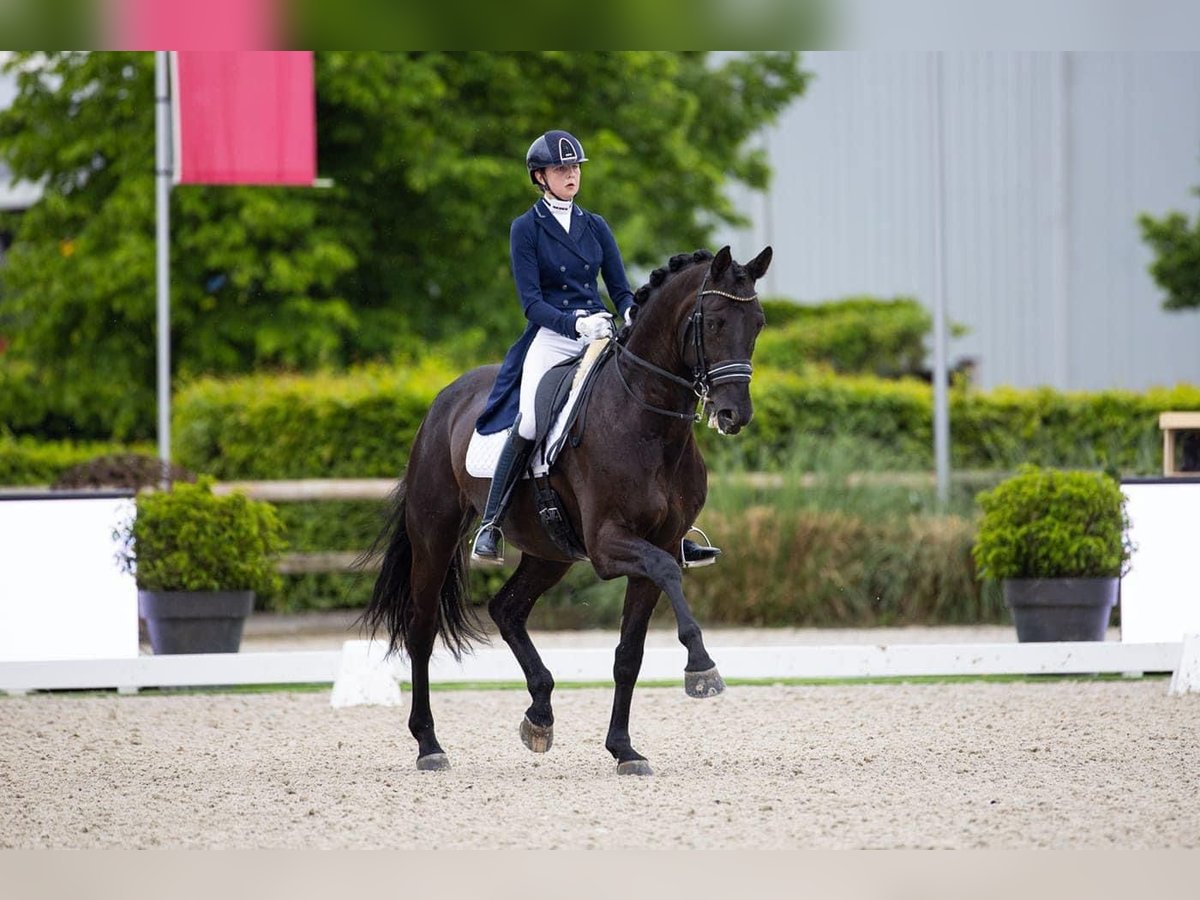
x=632 y=488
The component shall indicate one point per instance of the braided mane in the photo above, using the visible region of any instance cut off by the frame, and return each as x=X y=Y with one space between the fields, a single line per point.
x=660 y=276
x=675 y=264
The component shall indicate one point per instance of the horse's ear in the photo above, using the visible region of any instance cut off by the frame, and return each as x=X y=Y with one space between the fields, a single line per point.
x=757 y=267
x=720 y=262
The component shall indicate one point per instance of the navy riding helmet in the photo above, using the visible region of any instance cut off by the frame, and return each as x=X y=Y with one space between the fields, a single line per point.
x=554 y=148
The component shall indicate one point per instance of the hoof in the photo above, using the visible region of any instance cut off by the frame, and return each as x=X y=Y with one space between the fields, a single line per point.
x=433 y=762
x=634 y=767
x=537 y=738
x=703 y=684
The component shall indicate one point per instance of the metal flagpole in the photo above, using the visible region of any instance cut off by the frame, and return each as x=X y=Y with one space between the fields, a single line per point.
x=162 y=175
x=941 y=404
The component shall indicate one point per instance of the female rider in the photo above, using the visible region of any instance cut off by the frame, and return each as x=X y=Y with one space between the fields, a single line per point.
x=558 y=249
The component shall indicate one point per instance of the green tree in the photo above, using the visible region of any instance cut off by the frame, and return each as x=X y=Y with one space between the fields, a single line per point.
x=426 y=153
x=1176 y=266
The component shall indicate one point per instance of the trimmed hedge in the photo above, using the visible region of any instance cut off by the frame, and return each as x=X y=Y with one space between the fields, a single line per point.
x=892 y=422
x=791 y=411
x=298 y=426
x=362 y=424
x=859 y=335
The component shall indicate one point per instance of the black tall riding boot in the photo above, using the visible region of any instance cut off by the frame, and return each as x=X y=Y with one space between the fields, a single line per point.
x=696 y=555
x=489 y=540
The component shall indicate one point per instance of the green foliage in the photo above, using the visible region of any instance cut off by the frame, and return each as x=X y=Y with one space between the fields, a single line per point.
x=190 y=539
x=24 y=461
x=825 y=554
x=858 y=334
x=826 y=568
x=799 y=415
x=298 y=426
x=1176 y=266
x=894 y=418
x=771 y=23
x=1043 y=523
x=850 y=479
x=316 y=525
x=361 y=424
x=22 y=402
x=783 y=566
x=1114 y=430
x=426 y=152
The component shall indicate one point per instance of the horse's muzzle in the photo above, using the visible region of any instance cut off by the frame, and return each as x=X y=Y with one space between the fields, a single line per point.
x=729 y=408
x=728 y=422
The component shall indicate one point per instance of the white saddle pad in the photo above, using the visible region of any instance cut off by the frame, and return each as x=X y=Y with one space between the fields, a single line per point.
x=484 y=450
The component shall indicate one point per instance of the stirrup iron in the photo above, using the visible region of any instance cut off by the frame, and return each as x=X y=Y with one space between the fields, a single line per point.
x=496 y=558
x=701 y=554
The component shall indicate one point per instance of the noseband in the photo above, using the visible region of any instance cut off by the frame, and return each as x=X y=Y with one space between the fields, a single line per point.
x=704 y=379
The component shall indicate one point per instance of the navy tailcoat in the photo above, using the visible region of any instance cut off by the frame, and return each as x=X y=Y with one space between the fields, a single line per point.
x=555 y=273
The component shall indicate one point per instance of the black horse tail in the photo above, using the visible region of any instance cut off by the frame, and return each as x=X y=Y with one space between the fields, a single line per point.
x=391 y=604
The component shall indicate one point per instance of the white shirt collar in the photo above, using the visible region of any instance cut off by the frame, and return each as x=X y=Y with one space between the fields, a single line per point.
x=561 y=211
x=559 y=206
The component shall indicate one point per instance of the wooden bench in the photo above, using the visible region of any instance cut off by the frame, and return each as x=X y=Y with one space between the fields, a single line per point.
x=1171 y=423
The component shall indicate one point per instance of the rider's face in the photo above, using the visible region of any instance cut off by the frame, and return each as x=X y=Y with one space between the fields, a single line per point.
x=563 y=180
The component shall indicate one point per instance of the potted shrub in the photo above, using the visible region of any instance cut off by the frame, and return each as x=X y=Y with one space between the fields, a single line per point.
x=1058 y=543
x=199 y=560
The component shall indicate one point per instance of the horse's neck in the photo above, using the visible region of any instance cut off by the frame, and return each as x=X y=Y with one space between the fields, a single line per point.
x=655 y=339
x=658 y=344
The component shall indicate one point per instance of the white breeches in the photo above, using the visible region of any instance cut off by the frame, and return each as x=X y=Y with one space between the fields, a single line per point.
x=548 y=348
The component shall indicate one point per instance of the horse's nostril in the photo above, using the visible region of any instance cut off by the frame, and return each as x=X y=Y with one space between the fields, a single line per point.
x=727 y=420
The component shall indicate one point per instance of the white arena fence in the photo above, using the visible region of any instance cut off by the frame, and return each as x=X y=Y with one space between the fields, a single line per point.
x=361 y=673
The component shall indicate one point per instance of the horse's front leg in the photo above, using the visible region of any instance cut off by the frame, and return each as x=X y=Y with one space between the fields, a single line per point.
x=616 y=552
x=640 y=597
x=510 y=609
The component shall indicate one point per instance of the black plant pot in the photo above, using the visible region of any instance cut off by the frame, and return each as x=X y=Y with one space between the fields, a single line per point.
x=1061 y=609
x=195 y=621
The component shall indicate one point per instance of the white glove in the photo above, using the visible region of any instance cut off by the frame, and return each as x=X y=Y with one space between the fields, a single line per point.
x=593 y=327
x=629 y=317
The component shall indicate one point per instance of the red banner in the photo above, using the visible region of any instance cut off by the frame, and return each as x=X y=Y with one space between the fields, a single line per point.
x=191 y=24
x=244 y=117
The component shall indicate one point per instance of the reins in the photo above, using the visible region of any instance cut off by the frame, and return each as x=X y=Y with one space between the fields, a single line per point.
x=704 y=379
x=691 y=416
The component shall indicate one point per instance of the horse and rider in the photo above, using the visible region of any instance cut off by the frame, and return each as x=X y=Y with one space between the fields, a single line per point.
x=629 y=484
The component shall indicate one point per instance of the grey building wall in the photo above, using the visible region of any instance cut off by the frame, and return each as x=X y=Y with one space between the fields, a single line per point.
x=1048 y=159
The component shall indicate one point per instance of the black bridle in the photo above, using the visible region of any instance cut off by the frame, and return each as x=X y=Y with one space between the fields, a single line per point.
x=704 y=379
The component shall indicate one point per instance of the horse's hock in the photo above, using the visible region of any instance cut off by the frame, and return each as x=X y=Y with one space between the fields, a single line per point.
x=1184 y=428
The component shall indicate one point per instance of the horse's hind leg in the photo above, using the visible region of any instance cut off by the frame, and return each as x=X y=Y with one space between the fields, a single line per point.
x=640 y=597
x=437 y=563
x=510 y=610
x=422 y=634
